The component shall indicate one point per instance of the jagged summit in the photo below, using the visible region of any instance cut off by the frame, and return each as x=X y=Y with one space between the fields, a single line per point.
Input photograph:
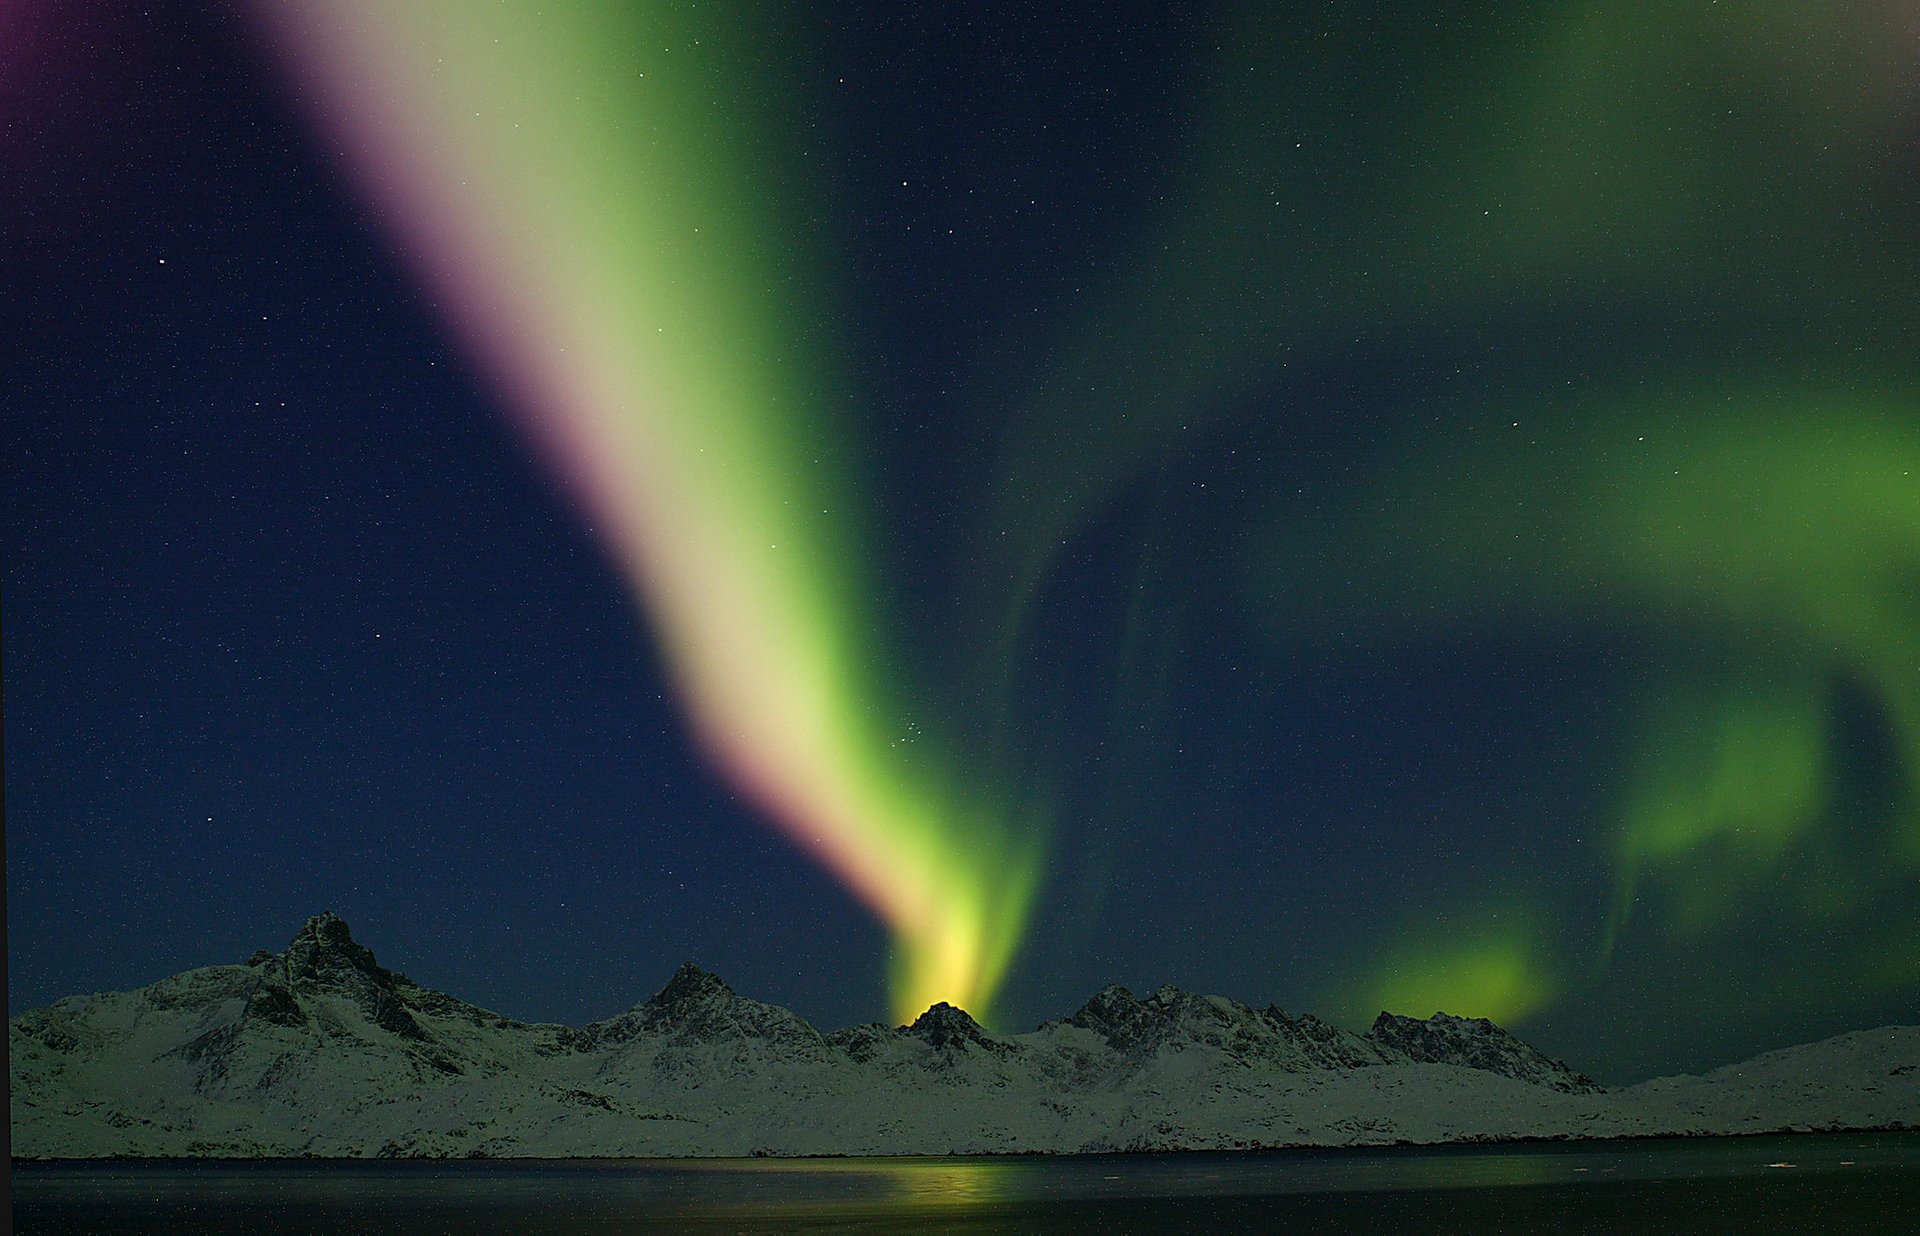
x=324 y=948
x=1131 y=1022
x=945 y=1026
x=326 y=924
x=1476 y=1043
x=323 y=959
x=1326 y=1045
x=1122 y=1018
x=1171 y=1021
x=324 y=962
x=697 y=1007
x=319 y=1051
x=690 y=985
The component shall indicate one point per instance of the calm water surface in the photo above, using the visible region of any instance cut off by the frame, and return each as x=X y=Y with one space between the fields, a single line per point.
x=1813 y=1183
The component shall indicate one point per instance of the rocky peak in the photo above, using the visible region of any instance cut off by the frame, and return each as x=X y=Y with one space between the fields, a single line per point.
x=1132 y=1024
x=1476 y=1043
x=323 y=959
x=1114 y=1013
x=945 y=1026
x=695 y=1008
x=324 y=948
x=1174 y=1020
x=1325 y=1045
x=862 y=1043
x=690 y=986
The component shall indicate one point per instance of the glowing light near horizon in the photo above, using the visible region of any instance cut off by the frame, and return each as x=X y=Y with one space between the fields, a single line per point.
x=1742 y=493
x=1494 y=963
x=594 y=194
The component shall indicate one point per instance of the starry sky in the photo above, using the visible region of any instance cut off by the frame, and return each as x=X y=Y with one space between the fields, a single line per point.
x=1337 y=505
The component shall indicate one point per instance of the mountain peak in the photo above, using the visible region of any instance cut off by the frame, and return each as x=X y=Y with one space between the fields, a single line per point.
x=706 y=1072
x=690 y=984
x=1476 y=1043
x=323 y=958
x=1129 y=1022
x=325 y=945
x=1111 y=1005
x=1437 y=1028
x=327 y=926
x=943 y=1025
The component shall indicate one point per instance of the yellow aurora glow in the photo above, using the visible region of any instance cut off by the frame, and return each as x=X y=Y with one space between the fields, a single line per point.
x=596 y=194
x=614 y=204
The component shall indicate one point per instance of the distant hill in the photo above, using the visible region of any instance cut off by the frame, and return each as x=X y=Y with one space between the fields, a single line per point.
x=319 y=1050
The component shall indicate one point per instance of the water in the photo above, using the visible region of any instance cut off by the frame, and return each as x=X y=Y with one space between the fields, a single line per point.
x=1816 y=1182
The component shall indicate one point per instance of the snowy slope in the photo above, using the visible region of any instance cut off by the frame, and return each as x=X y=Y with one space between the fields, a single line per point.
x=318 y=1050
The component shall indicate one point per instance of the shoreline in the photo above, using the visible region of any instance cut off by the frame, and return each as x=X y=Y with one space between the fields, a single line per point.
x=1307 y=1148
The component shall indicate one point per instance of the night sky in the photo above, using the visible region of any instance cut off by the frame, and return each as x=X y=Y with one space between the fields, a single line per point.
x=1344 y=505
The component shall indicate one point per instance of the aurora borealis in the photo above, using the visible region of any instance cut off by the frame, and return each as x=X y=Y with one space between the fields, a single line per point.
x=1360 y=508
x=604 y=233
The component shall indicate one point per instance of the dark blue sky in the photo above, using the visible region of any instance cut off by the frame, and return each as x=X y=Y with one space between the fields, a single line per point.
x=294 y=620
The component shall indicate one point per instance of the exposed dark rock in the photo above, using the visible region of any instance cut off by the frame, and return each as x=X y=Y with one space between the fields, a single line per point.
x=1325 y=1045
x=271 y=999
x=861 y=1043
x=696 y=1007
x=948 y=1028
x=1476 y=1043
x=691 y=987
x=324 y=951
x=324 y=959
x=1173 y=1020
x=314 y=1046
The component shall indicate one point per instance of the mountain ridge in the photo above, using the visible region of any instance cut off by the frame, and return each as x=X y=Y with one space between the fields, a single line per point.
x=319 y=1049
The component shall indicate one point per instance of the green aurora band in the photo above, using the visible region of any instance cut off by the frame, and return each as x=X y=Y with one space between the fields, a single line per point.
x=1654 y=269
x=1658 y=269
x=1763 y=564
x=605 y=195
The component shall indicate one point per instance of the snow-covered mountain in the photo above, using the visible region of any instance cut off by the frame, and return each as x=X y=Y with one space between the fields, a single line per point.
x=318 y=1050
x=1478 y=1044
